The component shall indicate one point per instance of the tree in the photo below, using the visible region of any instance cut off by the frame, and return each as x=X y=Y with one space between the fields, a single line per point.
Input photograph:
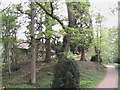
x=118 y=32
x=99 y=19
x=49 y=32
x=84 y=24
x=68 y=76
x=33 y=45
x=64 y=50
x=9 y=29
x=47 y=37
x=51 y=14
x=31 y=34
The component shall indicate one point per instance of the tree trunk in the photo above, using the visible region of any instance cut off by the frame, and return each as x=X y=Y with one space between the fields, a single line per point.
x=14 y=59
x=9 y=61
x=33 y=46
x=37 y=48
x=119 y=32
x=67 y=38
x=97 y=54
x=66 y=43
x=82 y=55
x=7 y=34
x=7 y=57
x=48 y=48
x=48 y=38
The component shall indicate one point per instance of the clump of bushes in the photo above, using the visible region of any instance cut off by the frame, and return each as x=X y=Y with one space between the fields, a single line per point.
x=66 y=74
x=117 y=60
x=95 y=59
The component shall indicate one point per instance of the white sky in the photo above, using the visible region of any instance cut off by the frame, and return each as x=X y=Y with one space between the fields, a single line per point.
x=104 y=7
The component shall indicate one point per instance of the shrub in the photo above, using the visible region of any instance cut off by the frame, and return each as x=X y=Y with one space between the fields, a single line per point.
x=93 y=58
x=66 y=74
x=117 y=60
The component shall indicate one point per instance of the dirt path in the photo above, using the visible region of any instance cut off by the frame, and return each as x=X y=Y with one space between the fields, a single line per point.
x=111 y=78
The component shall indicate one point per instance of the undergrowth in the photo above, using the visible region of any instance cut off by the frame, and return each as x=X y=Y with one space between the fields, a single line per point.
x=88 y=78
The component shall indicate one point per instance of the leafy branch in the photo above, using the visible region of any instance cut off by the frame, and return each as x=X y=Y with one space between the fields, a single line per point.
x=51 y=14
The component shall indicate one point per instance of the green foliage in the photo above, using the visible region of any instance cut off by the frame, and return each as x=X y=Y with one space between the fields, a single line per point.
x=62 y=32
x=39 y=35
x=99 y=18
x=105 y=40
x=80 y=7
x=118 y=60
x=9 y=31
x=82 y=36
x=67 y=76
x=9 y=18
x=68 y=54
x=48 y=24
x=93 y=58
x=49 y=33
x=71 y=30
x=19 y=7
x=10 y=21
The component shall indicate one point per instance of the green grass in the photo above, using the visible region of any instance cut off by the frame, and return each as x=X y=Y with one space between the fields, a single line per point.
x=43 y=81
x=88 y=79
x=7 y=79
x=91 y=81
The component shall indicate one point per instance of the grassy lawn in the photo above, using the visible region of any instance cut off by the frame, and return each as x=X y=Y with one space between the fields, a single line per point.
x=44 y=79
x=92 y=81
x=89 y=78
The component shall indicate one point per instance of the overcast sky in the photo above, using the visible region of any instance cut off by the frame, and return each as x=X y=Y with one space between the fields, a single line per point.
x=104 y=7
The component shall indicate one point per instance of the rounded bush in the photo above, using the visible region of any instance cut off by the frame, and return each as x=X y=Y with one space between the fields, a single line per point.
x=66 y=75
x=93 y=58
